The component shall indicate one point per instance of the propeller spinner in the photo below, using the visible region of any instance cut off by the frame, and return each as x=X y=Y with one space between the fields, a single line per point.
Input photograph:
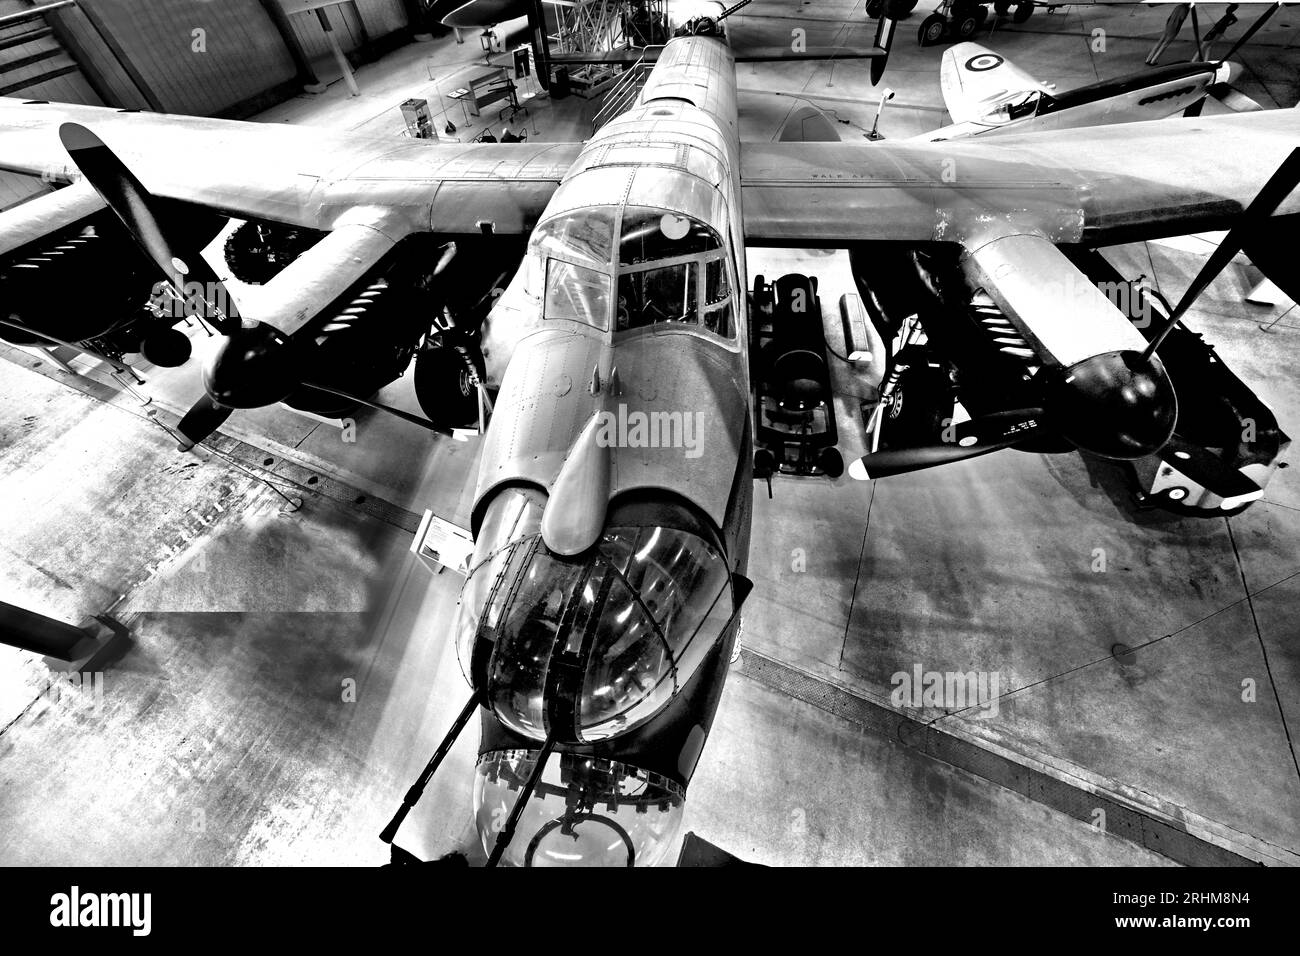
x=1116 y=405
x=257 y=365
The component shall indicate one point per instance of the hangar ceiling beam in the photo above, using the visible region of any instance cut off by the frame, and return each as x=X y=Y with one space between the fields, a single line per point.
x=86 y=61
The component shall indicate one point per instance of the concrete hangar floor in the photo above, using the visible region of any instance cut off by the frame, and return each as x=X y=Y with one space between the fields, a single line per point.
x=223 y=737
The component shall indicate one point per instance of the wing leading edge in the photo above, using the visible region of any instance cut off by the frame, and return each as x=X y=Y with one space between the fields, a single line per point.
x=1097 y=186
x=297 y=175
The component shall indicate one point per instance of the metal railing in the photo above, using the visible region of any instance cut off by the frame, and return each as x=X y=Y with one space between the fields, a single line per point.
x=622 y=95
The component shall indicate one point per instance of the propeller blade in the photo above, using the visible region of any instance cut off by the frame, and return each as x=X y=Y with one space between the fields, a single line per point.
x=1209 y=471
x=1195 y=108
x=884 y=40
x=201 y=421
x=1196 y=33
x=1278 y=187
x=981 y=436
x=1254 y=28
x=732 y=9
x=138 y=210
x=900 y=461
x=1234 y=99
x=379 y=406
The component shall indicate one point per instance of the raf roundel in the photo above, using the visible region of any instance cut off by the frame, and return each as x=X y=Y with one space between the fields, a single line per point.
x=983 y=62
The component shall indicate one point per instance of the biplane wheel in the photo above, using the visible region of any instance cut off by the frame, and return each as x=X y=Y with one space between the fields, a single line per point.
x=932 y=30
x=1002 y=7
x=1024 y=10
x=966 y=26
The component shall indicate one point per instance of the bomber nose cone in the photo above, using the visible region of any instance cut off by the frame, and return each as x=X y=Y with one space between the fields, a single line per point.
x=256 y=367
x=1116 y=405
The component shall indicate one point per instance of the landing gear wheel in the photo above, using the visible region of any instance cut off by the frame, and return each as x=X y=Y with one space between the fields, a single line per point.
x=1024 y=10
x=875 y=8
x=932 y=30
x=923 y=400
x=445 y=388
x=1002 y=7
x=965 y=27
x=981 y=14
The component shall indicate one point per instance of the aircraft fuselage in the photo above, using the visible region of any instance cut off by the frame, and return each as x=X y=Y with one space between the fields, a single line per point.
x=612 y=509
x=1148 y=95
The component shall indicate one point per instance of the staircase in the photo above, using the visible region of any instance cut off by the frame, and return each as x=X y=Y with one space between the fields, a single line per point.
x=622 y=96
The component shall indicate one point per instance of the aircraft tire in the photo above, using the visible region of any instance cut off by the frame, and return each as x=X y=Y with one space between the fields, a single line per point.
x=1024 y=10
x=1002 y=7
x=443 y=389
x=923 y=400
x=965 y=28
x=932 y=30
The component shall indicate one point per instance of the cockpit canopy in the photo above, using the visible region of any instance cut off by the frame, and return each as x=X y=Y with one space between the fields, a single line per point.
x=667 y=268
x=1015 y=105
x=587 y=648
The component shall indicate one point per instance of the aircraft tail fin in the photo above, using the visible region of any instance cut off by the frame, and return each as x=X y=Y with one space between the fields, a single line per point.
x=971 y=76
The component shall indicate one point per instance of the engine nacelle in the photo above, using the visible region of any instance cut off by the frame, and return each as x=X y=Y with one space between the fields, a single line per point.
x=91 y=261
x=427 y=300
x=361 y=346
x=70 y=270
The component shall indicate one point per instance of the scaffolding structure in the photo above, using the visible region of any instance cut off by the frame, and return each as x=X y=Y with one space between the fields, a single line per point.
x=599 y=26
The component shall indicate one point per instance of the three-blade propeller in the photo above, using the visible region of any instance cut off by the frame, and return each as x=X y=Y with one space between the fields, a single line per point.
x=1224 y=92
x=257 y=365
x=1003 y=429
x=188 y=273
x=191 y=278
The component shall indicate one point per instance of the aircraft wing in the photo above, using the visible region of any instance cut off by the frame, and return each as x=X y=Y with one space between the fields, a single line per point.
x=974 y=79
x=300 y=175
x=1095 y=186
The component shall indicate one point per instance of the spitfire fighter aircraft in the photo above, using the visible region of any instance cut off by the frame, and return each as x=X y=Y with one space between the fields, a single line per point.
x=985 y=93
x=611 y=514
